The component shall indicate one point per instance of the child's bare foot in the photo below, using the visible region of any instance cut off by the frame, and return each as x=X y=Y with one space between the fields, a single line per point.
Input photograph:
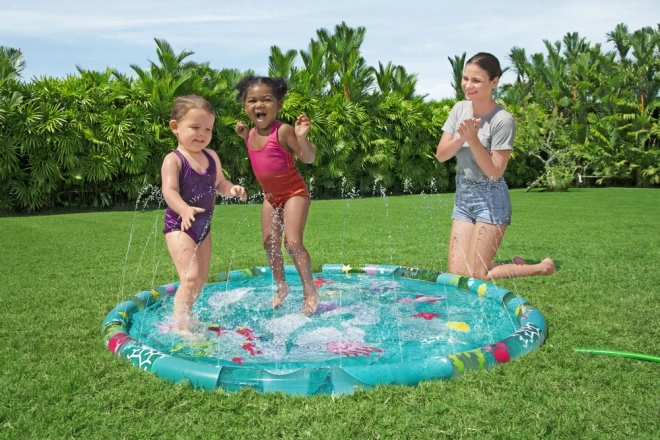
x=183 y=325
x=548 y=266
x=278 y=299
x=518 y=260
x=310 y=302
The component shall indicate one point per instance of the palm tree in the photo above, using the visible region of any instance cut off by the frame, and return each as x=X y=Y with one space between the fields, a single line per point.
x=353 y=79
x=11 y=64
x=643 y=43
x=320 y=69
x=457 y=67
x=282 y=64
x=621 y=39
x=172 y=77
x=393 y=78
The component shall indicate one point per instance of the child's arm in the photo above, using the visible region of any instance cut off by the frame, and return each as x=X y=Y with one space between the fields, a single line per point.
x=223 y=186
x=296 y=139
x=170 y=182
x=243 y=130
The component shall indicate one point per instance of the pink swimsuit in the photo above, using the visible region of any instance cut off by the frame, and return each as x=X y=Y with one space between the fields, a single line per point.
x=276 y=171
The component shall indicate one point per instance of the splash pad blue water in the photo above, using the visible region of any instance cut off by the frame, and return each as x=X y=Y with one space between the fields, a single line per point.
x=375 y=324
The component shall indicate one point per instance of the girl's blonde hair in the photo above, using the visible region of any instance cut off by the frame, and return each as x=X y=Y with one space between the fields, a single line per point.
x=183 y=104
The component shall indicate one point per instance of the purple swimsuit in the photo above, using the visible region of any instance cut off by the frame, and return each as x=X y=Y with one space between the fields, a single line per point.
x=196 y=190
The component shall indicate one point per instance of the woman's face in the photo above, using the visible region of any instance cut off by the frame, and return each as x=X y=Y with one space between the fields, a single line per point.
x=476 y=84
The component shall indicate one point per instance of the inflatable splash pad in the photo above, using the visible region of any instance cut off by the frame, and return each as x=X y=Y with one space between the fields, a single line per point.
x=375 y=324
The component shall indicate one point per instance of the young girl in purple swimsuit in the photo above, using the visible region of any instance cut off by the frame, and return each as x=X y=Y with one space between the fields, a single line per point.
x=191 y=176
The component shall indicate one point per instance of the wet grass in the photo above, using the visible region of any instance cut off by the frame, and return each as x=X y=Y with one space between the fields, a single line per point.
x=62 y=274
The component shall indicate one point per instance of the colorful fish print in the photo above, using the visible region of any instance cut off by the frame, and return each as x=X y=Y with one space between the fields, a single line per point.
x=250 y=348
x=324 y=307
x=320 y=282
x=459 y=326
x=348 y=348
x=248 y=333
x=420 y=299
x=219 y=331
x=500 y=352
x=164 y=328
x=426 y=315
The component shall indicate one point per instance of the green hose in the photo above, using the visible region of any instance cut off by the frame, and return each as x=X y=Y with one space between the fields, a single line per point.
x=625 y=354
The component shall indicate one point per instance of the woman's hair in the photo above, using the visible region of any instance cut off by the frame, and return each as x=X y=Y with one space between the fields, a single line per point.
x=183 y=104
x=488 y=62
x=277 y=86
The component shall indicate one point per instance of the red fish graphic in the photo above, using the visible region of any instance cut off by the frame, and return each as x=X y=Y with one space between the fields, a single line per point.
x=426 y=315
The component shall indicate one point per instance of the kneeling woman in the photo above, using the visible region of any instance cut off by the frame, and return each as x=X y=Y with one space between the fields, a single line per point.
x=480 y=134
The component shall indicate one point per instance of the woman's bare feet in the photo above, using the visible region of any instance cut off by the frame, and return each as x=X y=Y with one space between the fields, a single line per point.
x=310 y=302
x=518 y=260
x=280 y=296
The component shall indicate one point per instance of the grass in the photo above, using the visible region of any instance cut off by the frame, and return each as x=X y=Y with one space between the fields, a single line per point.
x=62 y=274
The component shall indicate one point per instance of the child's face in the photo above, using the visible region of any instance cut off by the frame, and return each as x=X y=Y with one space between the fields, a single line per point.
x=261 y=105
x=195 y=130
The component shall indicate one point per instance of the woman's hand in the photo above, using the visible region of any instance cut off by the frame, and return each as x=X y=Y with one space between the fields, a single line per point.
x=242 y=129
x=188 y=216
x=468 y=130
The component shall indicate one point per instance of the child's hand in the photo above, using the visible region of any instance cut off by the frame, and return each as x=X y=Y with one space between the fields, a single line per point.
x=302 y=126
x=242 y=129
x=238 y=191
x=188 y=216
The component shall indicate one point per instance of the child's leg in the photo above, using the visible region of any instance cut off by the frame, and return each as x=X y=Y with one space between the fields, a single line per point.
x=192 y=265
x=272 y=223
x=295 y=218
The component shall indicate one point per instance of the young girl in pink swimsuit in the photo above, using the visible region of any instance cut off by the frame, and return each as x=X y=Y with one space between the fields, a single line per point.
x=192 y=174
x=272 y=147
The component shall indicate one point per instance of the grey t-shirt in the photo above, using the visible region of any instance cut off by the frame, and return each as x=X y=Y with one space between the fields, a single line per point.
x=496 y=132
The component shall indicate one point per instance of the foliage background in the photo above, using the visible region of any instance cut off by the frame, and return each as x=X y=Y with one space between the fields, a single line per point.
x=584 y=116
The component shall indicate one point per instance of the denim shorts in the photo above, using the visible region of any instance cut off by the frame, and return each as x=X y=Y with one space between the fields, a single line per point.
x=485 y=201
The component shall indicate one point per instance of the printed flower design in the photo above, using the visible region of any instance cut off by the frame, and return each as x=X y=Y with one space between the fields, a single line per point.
x=348 y=348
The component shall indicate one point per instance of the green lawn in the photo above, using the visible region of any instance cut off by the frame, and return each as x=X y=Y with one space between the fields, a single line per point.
x=63 y=273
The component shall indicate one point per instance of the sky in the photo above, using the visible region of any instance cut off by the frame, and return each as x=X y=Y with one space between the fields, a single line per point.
x=420 y=35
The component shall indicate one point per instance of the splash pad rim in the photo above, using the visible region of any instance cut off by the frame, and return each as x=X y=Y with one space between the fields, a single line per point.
x=319 y=379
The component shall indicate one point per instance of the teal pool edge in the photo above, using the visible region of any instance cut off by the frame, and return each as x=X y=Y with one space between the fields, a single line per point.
x=328 y=379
